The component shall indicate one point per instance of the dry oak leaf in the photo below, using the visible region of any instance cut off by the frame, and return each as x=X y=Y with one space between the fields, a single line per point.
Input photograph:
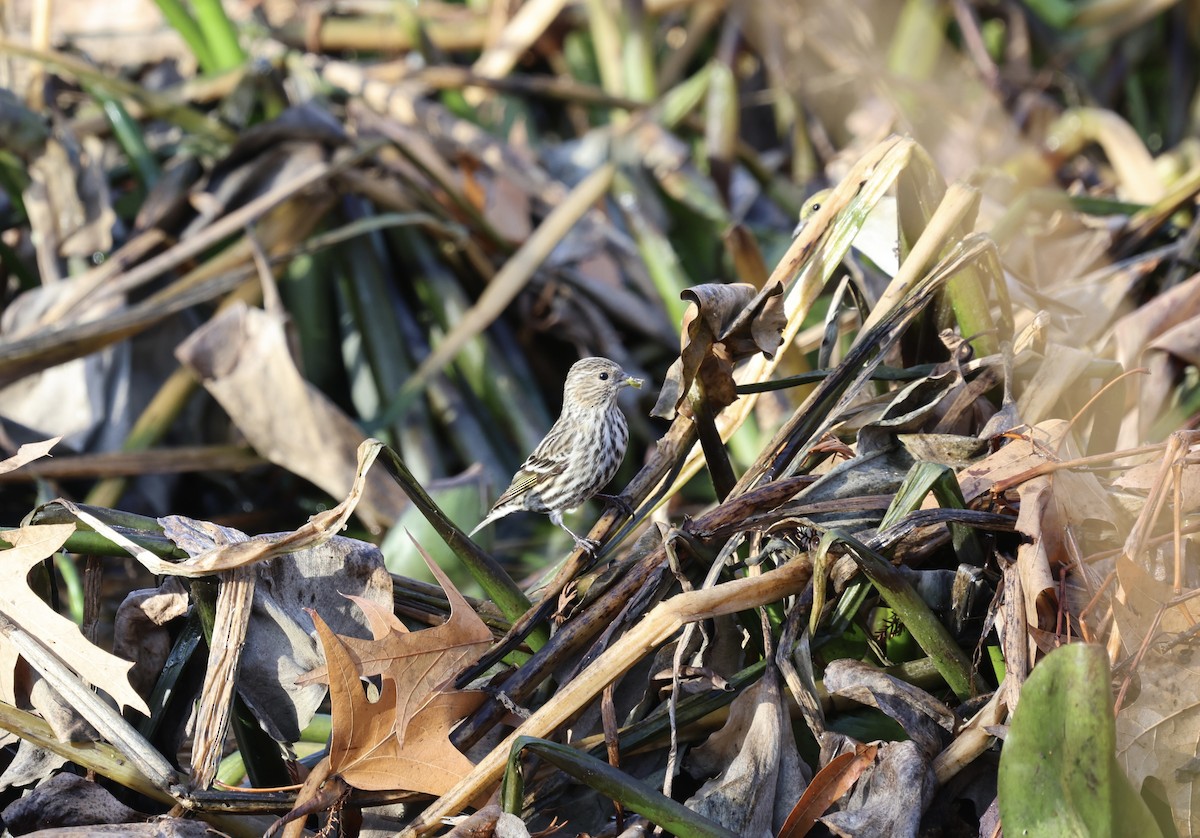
x=420 y=661
x=401 y=740
x=724 y=324
x=370 y=749
x=31 y=545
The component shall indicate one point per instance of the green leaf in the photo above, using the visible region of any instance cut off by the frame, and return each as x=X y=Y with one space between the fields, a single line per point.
x=1058 y=772
x=926 y=477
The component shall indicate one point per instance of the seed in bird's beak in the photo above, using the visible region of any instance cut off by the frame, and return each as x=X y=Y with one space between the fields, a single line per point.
x=635 y=383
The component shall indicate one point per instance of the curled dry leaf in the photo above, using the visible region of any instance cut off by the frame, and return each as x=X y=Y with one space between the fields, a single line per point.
x=316 y=531
x=242 y=358
x=69 y=202
x=30 y=765
x=140 y=629
x=724 y=324
x=830 y=783
x=920 y=714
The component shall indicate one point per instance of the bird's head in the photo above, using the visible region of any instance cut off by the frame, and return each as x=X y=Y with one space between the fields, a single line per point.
x=595 y=382
x=810 y=208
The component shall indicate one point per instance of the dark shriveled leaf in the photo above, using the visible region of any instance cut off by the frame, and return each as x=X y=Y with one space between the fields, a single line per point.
x=724 y=324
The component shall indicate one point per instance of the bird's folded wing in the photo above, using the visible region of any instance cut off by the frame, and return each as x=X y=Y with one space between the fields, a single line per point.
x=534 y=471
x=544 y=465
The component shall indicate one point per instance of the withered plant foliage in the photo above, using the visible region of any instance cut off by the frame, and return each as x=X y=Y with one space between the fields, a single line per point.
x=894 y=458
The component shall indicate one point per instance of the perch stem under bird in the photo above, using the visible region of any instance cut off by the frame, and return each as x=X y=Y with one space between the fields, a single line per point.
x=578 y=455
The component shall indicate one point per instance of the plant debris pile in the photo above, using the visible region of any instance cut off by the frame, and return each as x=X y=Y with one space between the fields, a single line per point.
x=904 y=538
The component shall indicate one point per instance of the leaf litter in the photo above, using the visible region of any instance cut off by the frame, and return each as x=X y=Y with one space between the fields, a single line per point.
x=977 y=475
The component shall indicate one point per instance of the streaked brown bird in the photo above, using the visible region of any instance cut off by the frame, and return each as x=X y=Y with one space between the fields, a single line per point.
x=579 y=454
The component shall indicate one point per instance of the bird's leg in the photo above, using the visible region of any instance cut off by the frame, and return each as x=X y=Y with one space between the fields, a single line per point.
x=586 y=544
x=618 y=501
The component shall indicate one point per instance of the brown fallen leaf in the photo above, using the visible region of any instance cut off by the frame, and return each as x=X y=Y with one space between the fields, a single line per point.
x=370 y=749
x=890 y=798
x=401 y=740
x=830 y=783
x=422 y=661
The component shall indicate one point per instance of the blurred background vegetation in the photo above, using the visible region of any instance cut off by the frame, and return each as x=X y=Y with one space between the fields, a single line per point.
x=365 y=170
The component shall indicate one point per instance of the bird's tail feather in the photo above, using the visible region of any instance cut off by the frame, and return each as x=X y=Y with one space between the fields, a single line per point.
x=491 y=516
x=497 y=512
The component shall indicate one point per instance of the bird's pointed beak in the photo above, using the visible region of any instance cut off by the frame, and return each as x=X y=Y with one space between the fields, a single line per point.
x=630 y=381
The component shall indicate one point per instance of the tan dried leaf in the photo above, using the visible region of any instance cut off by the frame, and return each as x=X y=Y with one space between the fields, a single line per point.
x=242 y=358
x=421 y=661
x=27 y=453
x=31 y=545
x=370 y=749
x=233 y=553
x=761 y=775
x=1157 y=731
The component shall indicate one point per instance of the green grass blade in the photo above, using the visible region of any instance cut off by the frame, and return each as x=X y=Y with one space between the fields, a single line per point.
x=219 y=33
x=181 y=20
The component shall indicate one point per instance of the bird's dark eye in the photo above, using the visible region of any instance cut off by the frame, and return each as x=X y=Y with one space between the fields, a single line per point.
x=604 y=376
x=813 y=207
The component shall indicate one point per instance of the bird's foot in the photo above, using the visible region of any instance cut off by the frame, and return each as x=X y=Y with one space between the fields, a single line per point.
x=588 y=545
x=619 y=502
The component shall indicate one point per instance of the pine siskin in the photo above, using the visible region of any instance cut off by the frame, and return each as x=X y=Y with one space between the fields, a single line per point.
x=579 y=455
